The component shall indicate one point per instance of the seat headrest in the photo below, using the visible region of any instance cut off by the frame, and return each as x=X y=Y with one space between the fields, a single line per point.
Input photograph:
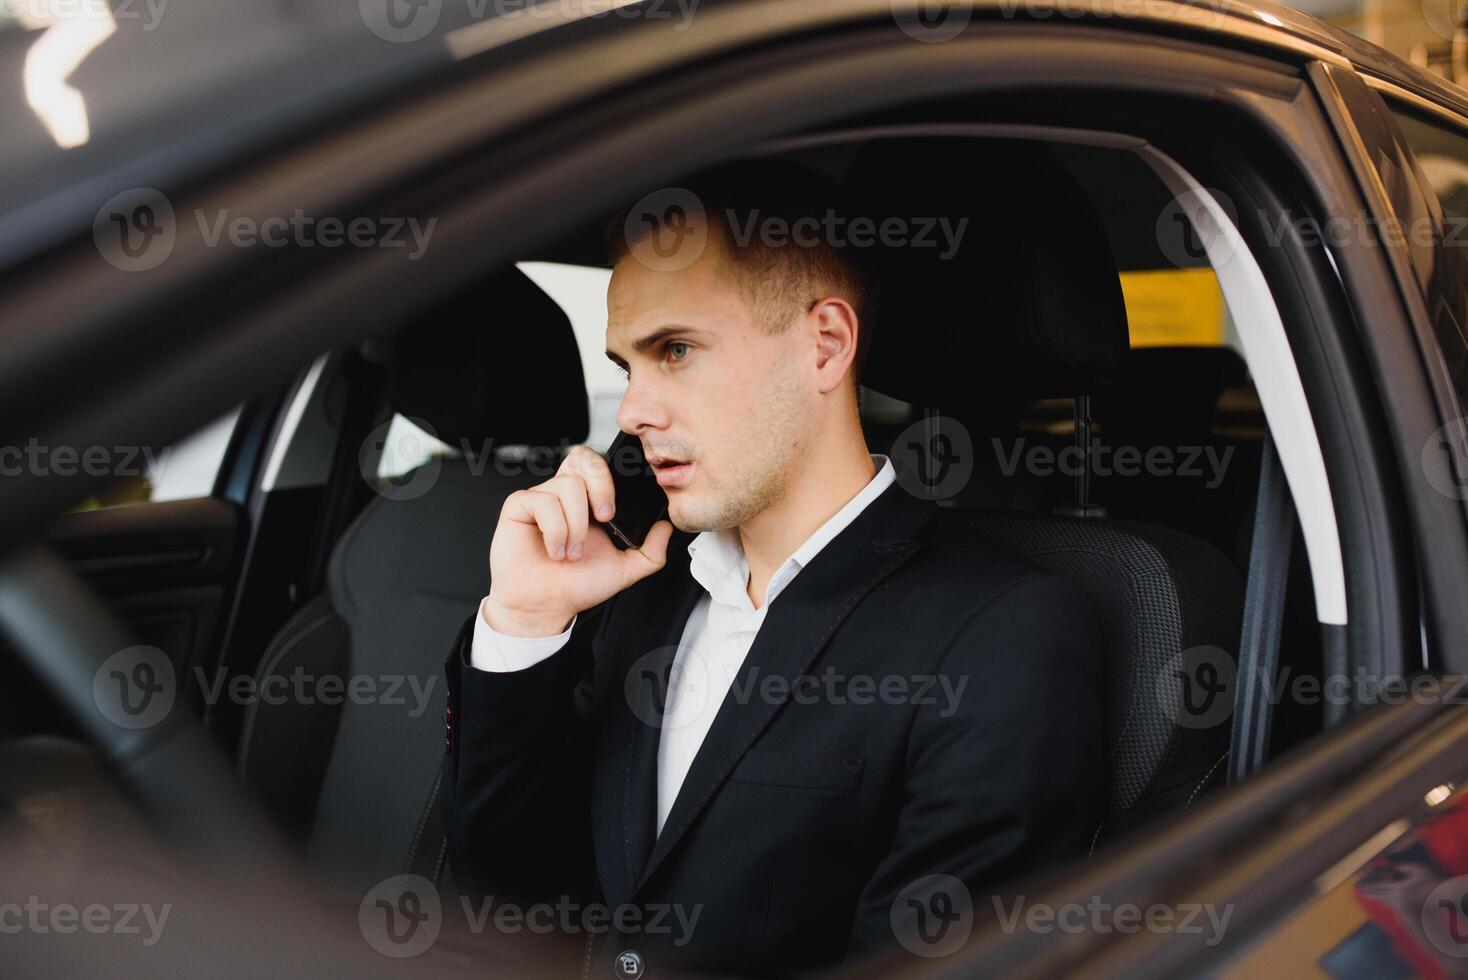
x=1172 y=392
x=1028 y=303
x=496 y=361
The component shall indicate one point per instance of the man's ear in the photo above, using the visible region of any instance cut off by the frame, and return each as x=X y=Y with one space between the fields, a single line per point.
x=835 y=325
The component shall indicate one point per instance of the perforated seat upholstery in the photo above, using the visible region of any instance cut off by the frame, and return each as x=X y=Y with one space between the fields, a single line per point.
x=1030 y=307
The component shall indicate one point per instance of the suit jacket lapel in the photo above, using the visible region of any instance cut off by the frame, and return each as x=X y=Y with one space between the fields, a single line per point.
x=794 y=633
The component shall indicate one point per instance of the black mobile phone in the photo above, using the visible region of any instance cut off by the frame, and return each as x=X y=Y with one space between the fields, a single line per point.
x=640 y=502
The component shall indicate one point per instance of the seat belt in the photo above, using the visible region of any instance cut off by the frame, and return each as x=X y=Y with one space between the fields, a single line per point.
x=1264 y=599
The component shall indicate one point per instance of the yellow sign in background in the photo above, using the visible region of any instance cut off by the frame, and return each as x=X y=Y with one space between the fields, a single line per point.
x=1173 y=308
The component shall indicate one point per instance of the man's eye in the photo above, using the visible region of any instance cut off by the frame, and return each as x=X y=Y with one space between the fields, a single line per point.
x=678 y=350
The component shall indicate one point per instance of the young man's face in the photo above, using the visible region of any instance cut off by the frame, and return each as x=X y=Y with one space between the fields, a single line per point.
x=723 y=404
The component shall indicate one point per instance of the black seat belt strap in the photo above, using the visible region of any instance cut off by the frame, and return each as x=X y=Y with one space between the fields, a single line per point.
x=1264 y=599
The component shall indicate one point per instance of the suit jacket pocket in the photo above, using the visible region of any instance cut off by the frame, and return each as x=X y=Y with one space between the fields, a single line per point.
x=799 y=771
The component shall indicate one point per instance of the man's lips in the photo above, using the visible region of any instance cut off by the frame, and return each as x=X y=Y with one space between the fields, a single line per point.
x=670 y=472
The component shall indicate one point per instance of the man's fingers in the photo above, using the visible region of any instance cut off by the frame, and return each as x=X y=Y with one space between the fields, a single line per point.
x=588 y=464
x=570 y=490
x=653 y=554
x=544 y=511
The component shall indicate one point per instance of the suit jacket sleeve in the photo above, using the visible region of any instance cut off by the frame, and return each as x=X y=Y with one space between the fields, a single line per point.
x=516 y=781
x=1011 y=781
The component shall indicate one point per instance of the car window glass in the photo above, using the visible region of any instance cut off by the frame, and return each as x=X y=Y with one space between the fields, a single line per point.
x=406 y=447
x=581 y=292
x=181 y=471
x=1443 y=154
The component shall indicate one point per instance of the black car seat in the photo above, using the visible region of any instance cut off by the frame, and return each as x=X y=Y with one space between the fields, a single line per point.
x=354 y=784
x=1030 y=307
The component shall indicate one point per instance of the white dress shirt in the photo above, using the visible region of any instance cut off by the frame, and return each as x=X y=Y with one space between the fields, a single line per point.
x=715 y=641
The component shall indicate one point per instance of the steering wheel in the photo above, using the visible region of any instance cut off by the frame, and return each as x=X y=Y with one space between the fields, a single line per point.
x=169 y=766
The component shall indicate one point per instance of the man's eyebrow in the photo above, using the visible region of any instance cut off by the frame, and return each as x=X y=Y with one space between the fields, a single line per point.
x=651 y=340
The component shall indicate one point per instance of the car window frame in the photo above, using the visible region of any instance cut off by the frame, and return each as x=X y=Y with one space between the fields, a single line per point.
x=1396 y=194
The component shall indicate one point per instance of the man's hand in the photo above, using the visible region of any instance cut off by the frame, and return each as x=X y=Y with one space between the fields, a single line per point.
x=547 y=561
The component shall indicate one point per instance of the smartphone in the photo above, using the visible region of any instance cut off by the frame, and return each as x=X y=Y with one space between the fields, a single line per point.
x=640 y=502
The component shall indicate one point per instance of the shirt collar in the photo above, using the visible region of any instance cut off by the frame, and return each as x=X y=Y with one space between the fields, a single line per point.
x=718 y=563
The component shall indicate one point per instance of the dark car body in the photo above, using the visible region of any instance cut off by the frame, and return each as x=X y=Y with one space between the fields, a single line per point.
x=515 y=131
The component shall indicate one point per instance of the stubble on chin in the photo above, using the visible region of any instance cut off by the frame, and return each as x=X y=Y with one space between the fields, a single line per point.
x=753 y=494
x=761 y=482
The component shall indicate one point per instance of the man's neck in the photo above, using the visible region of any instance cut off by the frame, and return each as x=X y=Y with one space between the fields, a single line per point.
x=822 y=488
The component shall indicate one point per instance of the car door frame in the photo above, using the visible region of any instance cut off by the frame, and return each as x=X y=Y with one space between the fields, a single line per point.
x=1434 y=295
x=785 y=85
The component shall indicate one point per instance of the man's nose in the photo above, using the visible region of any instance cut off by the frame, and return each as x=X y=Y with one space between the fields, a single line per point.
x=641 y=410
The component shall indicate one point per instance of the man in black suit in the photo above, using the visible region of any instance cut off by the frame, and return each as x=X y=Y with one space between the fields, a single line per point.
x=820 y=718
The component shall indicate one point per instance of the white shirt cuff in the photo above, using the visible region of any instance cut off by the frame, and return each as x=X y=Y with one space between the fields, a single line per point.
x=501 y=653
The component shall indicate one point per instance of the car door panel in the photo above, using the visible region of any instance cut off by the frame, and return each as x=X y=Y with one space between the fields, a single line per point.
x=166 y=568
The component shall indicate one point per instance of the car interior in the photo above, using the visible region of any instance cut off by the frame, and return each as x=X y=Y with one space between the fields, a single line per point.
x=1062 y=327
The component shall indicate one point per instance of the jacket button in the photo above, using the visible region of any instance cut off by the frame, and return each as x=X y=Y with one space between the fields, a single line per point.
x=629 y=964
